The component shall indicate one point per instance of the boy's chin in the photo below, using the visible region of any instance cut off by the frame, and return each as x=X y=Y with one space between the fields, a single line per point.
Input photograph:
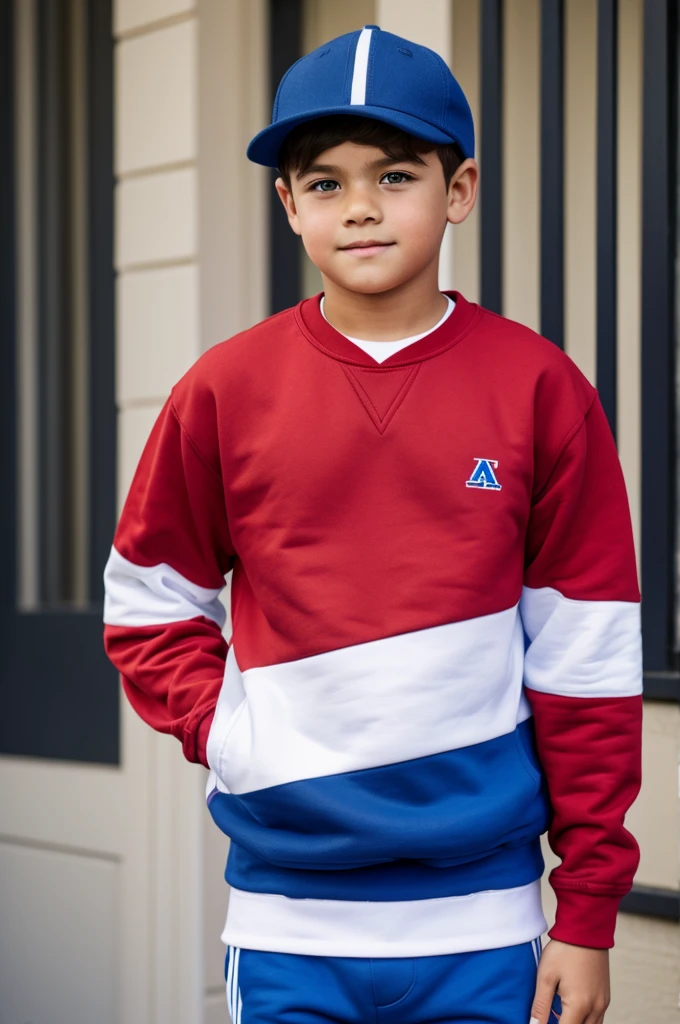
x=364 y=287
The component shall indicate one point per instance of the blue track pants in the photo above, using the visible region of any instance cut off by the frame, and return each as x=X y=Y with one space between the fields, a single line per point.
x=493 y=986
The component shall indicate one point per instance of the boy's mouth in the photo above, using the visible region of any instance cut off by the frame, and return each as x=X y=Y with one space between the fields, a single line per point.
x=369 y=247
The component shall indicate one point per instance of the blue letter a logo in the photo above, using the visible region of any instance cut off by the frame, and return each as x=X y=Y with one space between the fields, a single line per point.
x=483 y=475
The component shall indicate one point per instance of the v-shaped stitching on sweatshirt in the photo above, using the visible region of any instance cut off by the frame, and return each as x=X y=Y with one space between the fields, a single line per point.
x=381 y=422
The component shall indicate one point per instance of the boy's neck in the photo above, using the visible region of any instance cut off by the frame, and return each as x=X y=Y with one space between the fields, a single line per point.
x=413 y=308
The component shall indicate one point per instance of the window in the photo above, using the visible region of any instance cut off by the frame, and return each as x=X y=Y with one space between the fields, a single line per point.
x=57 y=455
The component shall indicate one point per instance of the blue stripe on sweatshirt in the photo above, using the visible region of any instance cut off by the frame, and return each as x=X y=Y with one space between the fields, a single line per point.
x=507 y=868
x=462 y=807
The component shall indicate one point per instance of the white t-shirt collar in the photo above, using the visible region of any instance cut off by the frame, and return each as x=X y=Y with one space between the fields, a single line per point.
x=382 y=350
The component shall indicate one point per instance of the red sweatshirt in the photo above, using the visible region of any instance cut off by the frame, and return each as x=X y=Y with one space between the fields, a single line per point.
x=436 y=637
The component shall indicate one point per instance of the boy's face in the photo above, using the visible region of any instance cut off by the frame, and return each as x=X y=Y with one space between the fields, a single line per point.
x=354 y=194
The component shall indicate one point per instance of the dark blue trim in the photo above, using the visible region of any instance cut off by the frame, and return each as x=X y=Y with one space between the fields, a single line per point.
x=60 y=694
x=103 y=447
x=662 y=686
x=607 y=191
x=649 y=901
x=285 y=268
x=659 y=444
x=492 y=149
x=552 y=171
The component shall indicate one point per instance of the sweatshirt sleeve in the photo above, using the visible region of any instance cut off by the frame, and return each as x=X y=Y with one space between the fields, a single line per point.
x=163 y=619
x=580 y=608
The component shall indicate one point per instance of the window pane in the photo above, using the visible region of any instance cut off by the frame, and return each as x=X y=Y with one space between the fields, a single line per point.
x=26 y=308
x=53 y=362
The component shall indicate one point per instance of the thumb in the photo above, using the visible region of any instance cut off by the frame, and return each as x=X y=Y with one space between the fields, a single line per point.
x=543 y=997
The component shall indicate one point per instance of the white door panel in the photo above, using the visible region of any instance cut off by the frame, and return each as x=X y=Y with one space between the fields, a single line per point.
x=58 y=952
x=102 y=867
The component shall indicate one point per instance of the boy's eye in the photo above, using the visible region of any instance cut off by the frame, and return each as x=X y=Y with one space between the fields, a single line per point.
x=396 y=177
x=327 y=185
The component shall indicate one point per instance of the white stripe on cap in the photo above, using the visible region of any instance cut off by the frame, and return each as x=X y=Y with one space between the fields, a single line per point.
x=358 y=96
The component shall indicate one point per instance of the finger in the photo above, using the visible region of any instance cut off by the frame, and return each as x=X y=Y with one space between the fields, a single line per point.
x=543 y=997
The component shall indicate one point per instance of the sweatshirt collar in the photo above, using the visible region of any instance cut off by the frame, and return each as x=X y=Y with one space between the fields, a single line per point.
x=324 y=336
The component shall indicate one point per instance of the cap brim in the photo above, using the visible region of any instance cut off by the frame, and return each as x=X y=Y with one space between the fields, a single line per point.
x=264 y=148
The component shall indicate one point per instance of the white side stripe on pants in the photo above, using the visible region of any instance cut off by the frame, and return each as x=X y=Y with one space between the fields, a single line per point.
x=234 y=1001
x=230 y=971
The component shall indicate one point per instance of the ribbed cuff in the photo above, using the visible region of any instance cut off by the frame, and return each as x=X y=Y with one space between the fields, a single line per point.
x=196 y=749
x=585 y=919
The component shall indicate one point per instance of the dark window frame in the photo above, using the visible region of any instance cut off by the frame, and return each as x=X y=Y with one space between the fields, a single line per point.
x=491 y=191
x=659 y=542
x=285 y=270
x=60 y=694
x=649 y=901
x=552 y=171
x=607 y=193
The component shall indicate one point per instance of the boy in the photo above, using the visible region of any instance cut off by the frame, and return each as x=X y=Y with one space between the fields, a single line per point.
x=436 y=643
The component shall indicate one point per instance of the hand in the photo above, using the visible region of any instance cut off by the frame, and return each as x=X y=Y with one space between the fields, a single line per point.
x=581 y=976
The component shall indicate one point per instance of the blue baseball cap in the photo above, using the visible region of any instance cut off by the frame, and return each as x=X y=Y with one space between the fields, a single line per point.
x=375 y=74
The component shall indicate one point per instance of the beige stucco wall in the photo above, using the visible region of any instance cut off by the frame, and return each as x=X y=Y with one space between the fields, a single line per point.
x=521 y=136
x=466 y=65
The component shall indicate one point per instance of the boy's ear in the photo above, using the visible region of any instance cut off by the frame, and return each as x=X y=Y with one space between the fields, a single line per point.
x=286 y=197
x=463 y=191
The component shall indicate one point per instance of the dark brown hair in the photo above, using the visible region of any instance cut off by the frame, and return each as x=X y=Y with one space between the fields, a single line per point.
x=302 y=146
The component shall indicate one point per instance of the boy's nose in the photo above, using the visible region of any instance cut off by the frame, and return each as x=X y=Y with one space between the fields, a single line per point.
x=360 y=210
